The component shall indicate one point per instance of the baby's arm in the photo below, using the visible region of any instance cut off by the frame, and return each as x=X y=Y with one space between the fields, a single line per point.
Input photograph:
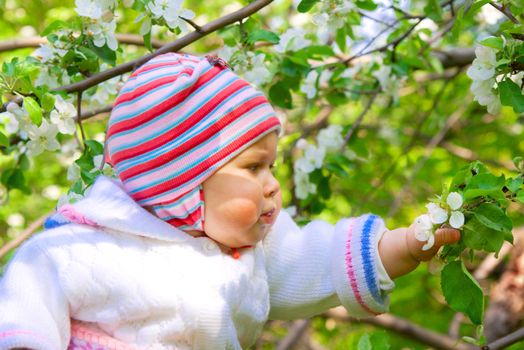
x=319 y=266
x=33 y=310
x=401 y=252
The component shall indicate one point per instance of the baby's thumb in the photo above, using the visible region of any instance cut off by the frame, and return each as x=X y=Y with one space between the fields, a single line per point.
x=446 y=235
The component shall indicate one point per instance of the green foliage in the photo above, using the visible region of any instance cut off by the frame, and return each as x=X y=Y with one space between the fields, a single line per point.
x=462 y=292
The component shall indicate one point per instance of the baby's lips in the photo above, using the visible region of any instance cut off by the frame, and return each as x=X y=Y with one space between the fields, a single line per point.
x=268 y=217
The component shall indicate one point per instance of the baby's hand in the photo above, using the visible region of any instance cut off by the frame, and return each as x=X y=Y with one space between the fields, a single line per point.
x=443 y=236
x=400 y=252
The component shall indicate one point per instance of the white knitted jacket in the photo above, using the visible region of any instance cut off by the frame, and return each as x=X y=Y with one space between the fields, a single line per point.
x=141 y=281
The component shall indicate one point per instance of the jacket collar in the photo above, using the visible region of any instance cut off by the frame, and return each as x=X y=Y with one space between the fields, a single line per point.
x=109 y=206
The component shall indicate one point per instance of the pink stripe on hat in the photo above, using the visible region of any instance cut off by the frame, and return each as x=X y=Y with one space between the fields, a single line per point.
x=178 y=119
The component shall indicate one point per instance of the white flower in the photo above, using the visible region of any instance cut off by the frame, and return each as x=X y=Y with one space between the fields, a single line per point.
x=42 y=138
x=331 y=138
x=44 y=53
x=429 y=243
x=483 y=66
x=69 y=198
x=312 y=159
x=292 y=40
x=309 y=85
x=302 y=185
x=170 y=11
x=63 y=116
x=457 y=219
x=9 y=120
x=436 y=213
x=301 y=144
x=333 y=14
x=226 y=52
x=23 y=120
x=423 y=228
x=103 y=33
x=259 y=74
x=454 y=200
x=88 y=8
x=45 y=78
x=483 y=92
x=73 y=172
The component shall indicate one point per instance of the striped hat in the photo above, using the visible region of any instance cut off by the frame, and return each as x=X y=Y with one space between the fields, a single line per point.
x=176 y=121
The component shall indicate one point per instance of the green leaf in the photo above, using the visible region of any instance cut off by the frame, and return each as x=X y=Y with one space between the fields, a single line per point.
x=510 y=95
x=519 y=163
x=48 y=102
x=263 y=35
x=4 y=141
x=280 y=95
x=306 y=5
x=477 y=235
x=104 y=53
x=33 y=109
x=433 y=10
x=53 y=27
x=317 y=50
x=147 y=41
x=493 y=217
x=520 y=196
x=341 y=38
x=493 y=42
x=484 y=185
x=95 y=146
x=366 y=5
x=380 y=341
x=364 y=343
x=514 y=184
x=462 y=291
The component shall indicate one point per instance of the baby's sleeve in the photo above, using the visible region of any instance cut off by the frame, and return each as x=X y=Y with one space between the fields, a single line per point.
x=320 y=266
x=33 y=310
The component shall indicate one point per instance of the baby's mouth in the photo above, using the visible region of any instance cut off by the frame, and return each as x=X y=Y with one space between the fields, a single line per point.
x=268 y=217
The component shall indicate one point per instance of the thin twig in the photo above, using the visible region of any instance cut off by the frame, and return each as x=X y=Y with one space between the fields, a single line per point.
x=23 y=236
x=357 y=122
x=192 y=24
x=506 y=341
x=433 y=143
x=406 y=329
x=393 y=43
x=506 y=11
x=294 y=334
x=79 y=117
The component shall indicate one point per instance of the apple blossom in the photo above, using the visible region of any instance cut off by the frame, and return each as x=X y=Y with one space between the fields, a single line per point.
x=436 y=213
x=454 y=200
x=309 y=85
x=292 y=40
x=423 y=228
x=42 y=138
x=63 y=116
x=456 y=219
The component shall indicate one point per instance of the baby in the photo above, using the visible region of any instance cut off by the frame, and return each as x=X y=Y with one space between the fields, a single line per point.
x=189 y=248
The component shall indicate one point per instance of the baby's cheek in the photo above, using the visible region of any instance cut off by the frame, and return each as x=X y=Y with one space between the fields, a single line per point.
x=243 y=211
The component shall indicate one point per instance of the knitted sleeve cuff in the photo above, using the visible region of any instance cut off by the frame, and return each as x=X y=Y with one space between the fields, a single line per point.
x=359 y=278
x=24 y=339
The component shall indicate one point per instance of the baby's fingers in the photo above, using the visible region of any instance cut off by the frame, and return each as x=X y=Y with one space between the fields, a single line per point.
x=446 y=235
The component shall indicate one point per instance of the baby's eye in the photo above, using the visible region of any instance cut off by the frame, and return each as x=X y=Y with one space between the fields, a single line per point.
x=253 y=167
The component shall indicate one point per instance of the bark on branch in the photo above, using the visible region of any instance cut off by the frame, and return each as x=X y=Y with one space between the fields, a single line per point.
x=407 y=329
x=171 y=47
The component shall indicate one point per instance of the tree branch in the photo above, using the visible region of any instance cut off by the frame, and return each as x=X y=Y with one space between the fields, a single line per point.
x=23 y=236
x=176 y=45
x=357 y=122
x=24 y=43
x=505 y=10
x=505 y=341
x=405 y=328
x=295 y=333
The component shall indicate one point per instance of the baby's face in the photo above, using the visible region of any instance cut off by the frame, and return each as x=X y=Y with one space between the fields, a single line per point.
x=242 y=199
